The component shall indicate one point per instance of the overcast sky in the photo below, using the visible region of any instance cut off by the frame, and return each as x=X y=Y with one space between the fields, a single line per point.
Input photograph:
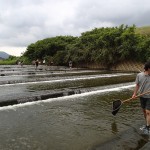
x=23 y=22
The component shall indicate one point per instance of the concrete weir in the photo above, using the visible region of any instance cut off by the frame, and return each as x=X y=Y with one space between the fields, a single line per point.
x=39 y=97
x=16 y=77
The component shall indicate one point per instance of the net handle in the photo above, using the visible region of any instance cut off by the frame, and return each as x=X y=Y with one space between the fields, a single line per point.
x=127 y=100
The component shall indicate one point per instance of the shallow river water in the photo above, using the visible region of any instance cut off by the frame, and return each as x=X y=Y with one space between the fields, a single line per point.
x=81 y=121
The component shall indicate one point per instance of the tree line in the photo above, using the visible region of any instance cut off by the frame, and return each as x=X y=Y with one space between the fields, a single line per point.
x=107 y=46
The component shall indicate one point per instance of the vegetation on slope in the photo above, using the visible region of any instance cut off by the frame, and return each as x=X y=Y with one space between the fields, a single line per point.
x=106 y=46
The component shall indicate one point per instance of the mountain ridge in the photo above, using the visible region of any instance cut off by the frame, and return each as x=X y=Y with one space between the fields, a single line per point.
x=4 y=55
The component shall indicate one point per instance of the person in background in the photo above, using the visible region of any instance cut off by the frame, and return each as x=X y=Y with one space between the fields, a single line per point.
x=21 y=63
x=36 y=64
x=44 y=64
x=51 y=63
x=142 y=85
x=70 y=64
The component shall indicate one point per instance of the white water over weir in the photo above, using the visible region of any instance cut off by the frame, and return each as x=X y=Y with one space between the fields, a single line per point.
x=72 y=96
x=19 y=92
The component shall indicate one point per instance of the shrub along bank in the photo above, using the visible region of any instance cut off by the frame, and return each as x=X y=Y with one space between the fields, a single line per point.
x=105 y=48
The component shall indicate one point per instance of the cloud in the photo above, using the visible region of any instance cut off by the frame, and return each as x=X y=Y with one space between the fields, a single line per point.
x=23 y=22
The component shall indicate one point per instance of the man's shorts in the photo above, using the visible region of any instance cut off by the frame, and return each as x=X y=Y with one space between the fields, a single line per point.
x=145 y=103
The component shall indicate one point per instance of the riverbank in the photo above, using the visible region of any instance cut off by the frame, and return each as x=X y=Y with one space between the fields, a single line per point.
x=132 y=66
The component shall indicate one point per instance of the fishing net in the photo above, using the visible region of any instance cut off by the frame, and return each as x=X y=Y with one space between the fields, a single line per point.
x=116 y=106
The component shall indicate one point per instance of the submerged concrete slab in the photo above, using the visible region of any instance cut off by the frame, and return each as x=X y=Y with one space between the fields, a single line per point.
x=37 y=96
x=130 y=139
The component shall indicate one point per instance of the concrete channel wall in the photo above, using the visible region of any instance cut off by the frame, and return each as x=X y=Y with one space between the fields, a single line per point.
x=123 y=66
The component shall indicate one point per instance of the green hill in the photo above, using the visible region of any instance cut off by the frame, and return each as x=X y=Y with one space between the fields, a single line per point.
x=143 y=30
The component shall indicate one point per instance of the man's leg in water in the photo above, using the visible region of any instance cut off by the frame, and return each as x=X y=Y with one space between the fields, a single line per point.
x=148 y=117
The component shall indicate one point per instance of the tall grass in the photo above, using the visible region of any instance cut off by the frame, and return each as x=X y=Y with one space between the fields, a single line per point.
x=143 y=30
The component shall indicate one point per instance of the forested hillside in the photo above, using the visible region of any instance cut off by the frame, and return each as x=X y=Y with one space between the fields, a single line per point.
x=107 y=46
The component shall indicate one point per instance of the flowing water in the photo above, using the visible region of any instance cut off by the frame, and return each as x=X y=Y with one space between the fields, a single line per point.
x=81 y=121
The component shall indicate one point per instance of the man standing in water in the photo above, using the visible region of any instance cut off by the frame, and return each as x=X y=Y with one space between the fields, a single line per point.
x=36 y=64
x=142 y=85
x=70 y=64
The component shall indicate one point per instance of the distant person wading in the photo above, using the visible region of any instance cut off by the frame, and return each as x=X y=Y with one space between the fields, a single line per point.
x=36 y=64
x=70 y=64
